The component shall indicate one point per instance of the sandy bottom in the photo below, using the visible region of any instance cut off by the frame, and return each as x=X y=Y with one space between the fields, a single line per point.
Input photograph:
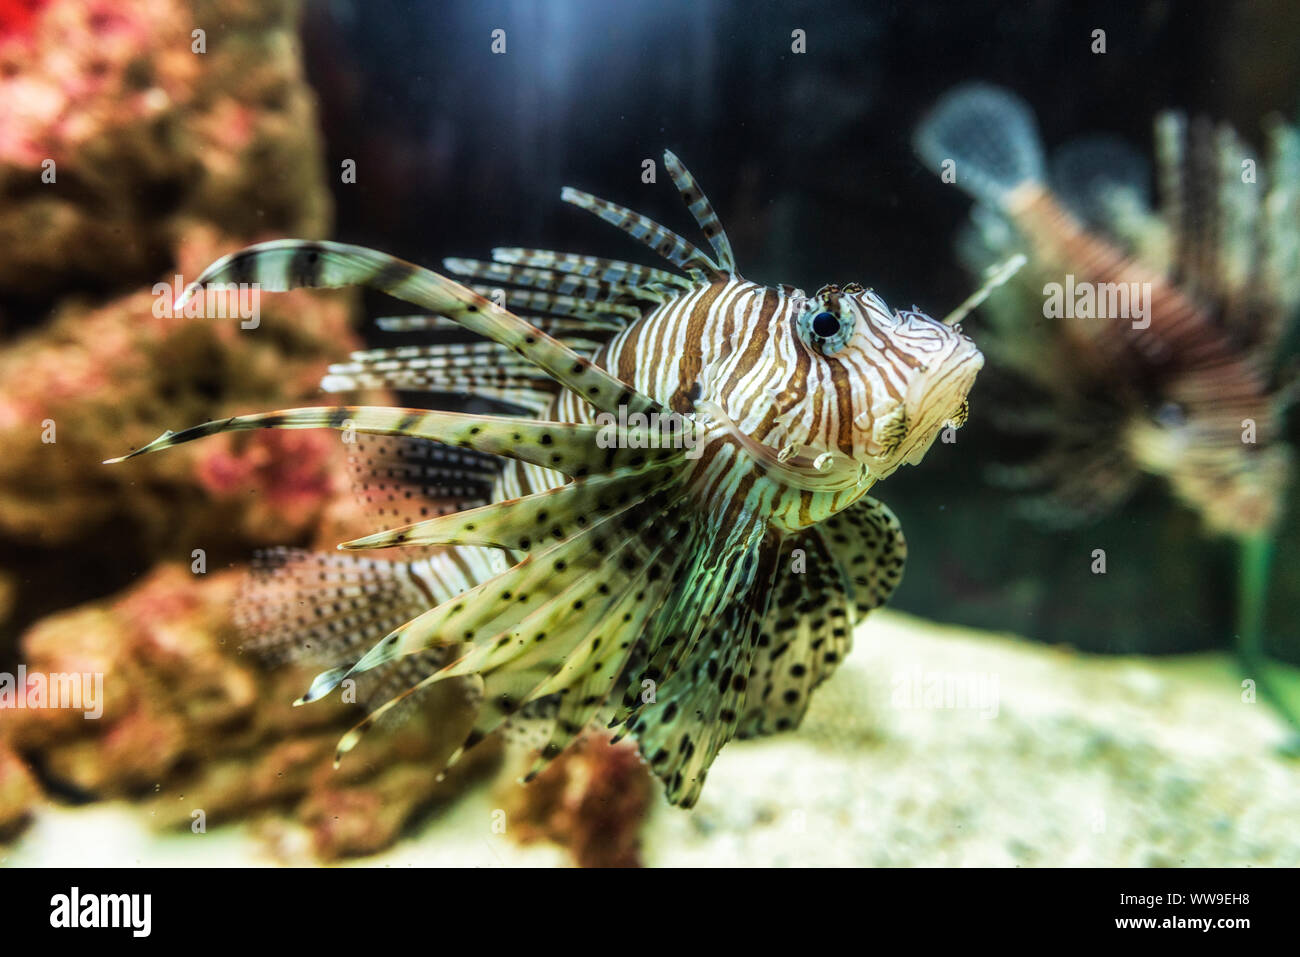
x=930 y=746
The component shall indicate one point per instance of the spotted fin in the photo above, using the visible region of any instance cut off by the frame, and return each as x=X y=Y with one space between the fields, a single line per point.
x=606 y=270
x=322 y=607
x=866 y=540
x=806 y=632
x=683 y=727
x=575 y=450
x=595 y=645
x=485 y=613
x=567 y=285
x=797 y=629
x=287 y=264
x=720 y=565
x=485 y=369
x=672 y=247
x=528 y=629
x=587 y=680
x=325 y=608
x=519 y=524
x=400 y=480
x=702 y=210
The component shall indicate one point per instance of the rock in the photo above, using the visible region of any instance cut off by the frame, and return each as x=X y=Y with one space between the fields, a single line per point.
x=138 y=143
x=593 y=800
x=18 y=792
x=96 y=382
x=147 y=134
x=190 y=725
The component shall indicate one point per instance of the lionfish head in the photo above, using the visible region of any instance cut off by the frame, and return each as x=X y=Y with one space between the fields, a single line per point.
x=1228 y=467
x=881 y=384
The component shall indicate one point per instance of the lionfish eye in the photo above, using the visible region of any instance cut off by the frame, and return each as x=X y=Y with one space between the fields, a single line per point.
x=825 y=331
x=1171 y=415
x=825 y=325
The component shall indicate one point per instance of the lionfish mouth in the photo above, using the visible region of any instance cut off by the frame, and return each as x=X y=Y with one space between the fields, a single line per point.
x=952 y=382
x=799 y=466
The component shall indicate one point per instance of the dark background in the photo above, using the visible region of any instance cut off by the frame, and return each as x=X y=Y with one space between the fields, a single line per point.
x=807 y=160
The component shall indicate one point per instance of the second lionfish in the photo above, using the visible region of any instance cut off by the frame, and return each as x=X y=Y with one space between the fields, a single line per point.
x=1184 y=381
x=593 y=562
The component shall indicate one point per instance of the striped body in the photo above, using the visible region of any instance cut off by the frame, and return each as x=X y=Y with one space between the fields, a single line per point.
x=736 y=343
x=685 y=586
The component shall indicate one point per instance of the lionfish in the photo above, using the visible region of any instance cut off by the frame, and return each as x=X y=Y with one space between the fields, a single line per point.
x=672 y=535
x=1188 y=386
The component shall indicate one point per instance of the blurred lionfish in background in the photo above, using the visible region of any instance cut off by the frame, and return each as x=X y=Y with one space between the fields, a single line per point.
x=685 y=583
x=1194 y=391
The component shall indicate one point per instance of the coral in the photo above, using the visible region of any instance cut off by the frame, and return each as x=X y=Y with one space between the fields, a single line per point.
x=154 y=136
x=593 y=799
x=350 y=819
x=147 y=135
x=190 y=724
x=155 y=133
x=95 y=382
x=18 y=792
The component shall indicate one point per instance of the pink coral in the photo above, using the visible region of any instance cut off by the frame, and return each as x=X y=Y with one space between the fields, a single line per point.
x=294 y=474
x=186 y=713
x=70 y=70
x=150 y=128
x=594 y=799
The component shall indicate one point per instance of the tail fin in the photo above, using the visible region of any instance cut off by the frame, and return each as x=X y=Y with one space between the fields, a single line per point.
x=469 y=369
x=327 y=608
x=1092 y=175
x=989 y=136
x=322 y=607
